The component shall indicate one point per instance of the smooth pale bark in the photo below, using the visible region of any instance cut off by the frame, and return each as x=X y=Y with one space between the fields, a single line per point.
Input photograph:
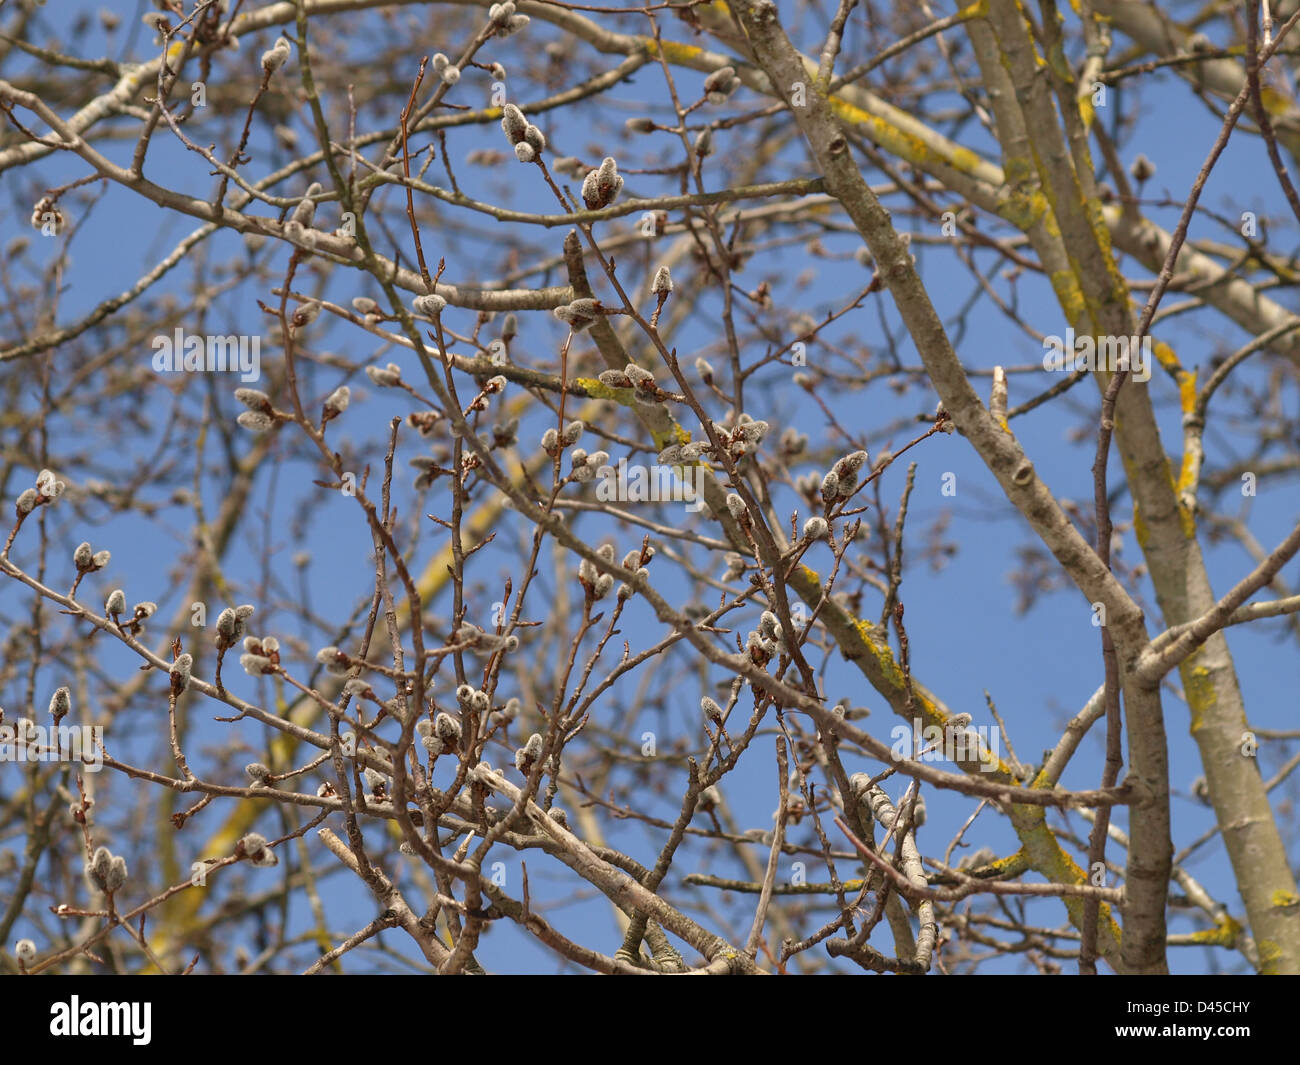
x=998 y=448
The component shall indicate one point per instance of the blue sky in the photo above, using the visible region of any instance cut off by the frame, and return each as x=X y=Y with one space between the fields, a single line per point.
x=966 y=634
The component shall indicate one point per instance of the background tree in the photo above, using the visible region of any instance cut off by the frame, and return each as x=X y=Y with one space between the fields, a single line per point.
x=358 y=344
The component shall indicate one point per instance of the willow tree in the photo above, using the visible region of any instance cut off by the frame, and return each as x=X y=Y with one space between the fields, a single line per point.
x=464 y=455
